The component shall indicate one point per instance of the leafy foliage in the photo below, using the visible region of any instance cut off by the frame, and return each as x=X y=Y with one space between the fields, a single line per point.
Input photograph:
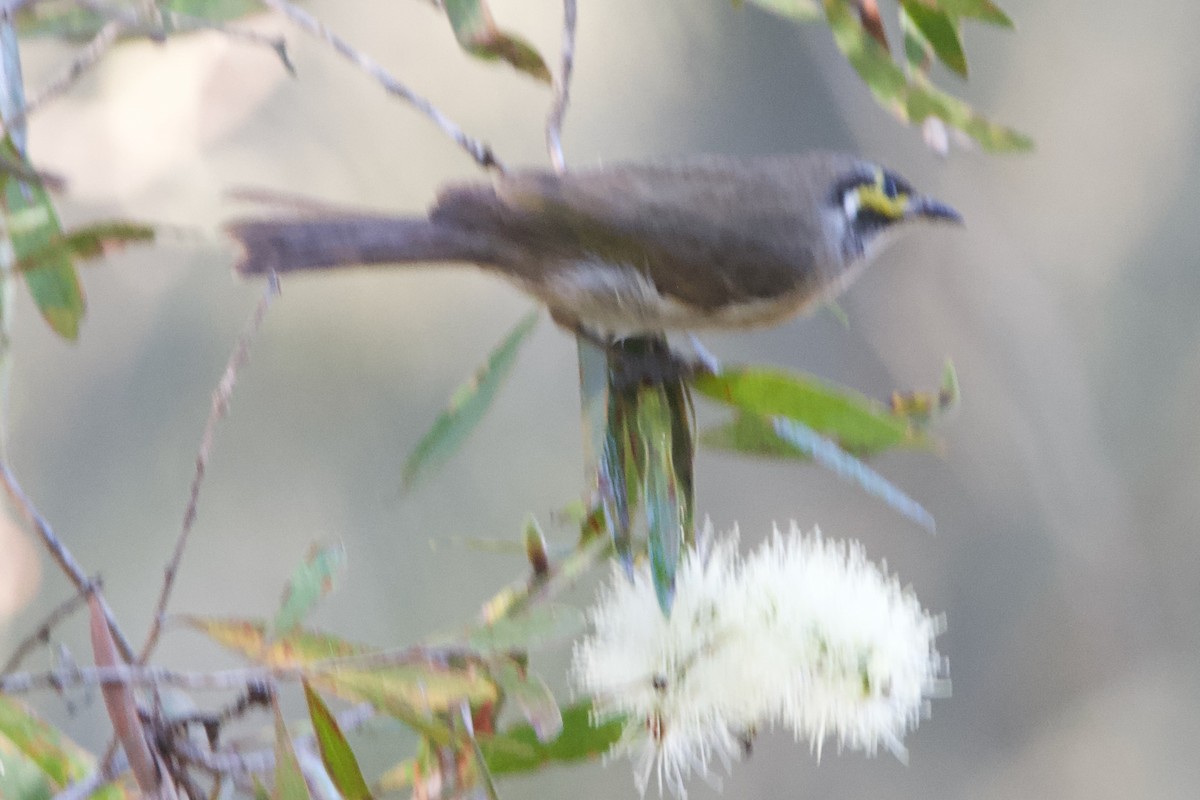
x=931 y=28
x=468 y=405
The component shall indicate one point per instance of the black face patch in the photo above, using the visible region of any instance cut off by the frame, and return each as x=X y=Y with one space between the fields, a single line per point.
x=894 y=186
x=837 y=195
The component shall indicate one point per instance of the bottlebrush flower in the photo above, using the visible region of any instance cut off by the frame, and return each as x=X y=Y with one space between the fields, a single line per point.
x=804 y=633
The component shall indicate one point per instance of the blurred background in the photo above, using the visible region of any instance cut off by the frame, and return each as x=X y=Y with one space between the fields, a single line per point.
x=1067 y=559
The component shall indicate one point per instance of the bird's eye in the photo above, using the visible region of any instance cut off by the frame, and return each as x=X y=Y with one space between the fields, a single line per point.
x=894 y=186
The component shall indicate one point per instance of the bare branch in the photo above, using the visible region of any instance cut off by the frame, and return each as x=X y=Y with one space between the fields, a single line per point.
x=59 y=552
x=478 y=150
x=227 y=679
x=234 y=763
x=130 y=22
x=84 y=60
x=220 y=406
x=562 y=88
x=42 y=634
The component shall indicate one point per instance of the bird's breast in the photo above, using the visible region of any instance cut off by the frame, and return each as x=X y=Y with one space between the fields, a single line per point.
x=622 y=299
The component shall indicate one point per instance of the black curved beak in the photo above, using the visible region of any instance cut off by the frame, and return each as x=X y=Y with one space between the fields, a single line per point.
x=929 y=208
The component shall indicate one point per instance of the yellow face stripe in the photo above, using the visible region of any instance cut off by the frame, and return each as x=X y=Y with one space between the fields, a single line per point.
x=874 y=198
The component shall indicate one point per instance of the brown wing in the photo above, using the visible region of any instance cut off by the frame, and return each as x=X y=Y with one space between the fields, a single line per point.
x=708 y=231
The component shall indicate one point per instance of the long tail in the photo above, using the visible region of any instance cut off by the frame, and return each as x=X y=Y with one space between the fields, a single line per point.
x=315 y=243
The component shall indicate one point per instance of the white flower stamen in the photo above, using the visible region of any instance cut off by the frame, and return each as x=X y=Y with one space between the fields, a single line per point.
x=803 y=633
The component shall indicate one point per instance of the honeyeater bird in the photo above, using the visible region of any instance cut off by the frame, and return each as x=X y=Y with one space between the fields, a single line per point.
x=686 y=244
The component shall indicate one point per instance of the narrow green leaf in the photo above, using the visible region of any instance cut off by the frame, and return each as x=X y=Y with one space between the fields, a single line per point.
x=31 y=225
x=918 y=53
x=925 y=101
x=664 y=512
x=982 y=10
x=20 y=777
x=481 y=767
x=411 y=691
x=912 y=101
x=87 y=243
x=467 y=405
x=750 y=434
x=335 y=750
x=67 y=19
x=538 y=624
x=836 y=460
x=621 y=466
x=477 y=33
x=683 y=453
x=27 y=739
x=518 y=748
x=533 y=697
x=289 y=780
x=312 y=580
x=535 y=547
x=857 y=423
x=941 y=31
x=215 y=10
x=802 y=10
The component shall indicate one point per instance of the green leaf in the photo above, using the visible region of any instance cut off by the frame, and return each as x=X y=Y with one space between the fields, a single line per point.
x=467 y=405
x=409 y=691
x=312 y=580
x=804 y=10
x=215 y=10
x=20 y=777
x=683 y=453
x=857 y=423
x=926 y=101
x=982 y=10
x=27 y=741
x=477 y=33
x=31 y=225
x=289 y=780
x=621 y=466
x=518 y=748
x=533 y=697
x=86 y=243
x=912 y=101
x=544 y=622
x=918 y=53
x=941 y=31
x=66 y=19
x=752 y=435
x=664 y=512
x=335 y=750
x=836 y=460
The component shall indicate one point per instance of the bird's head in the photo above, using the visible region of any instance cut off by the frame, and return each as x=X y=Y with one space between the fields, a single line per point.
x=871 y=203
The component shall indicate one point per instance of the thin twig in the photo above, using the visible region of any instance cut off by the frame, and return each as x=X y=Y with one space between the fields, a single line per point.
x=50 y=181
x=84 y=60
x=42 y=634
x=562 y=89
x=188 y=23
x=59 y=552
x=220 y=406
x=234 y=763
x=478 y=150
x=129 y=22
x=227 y=679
